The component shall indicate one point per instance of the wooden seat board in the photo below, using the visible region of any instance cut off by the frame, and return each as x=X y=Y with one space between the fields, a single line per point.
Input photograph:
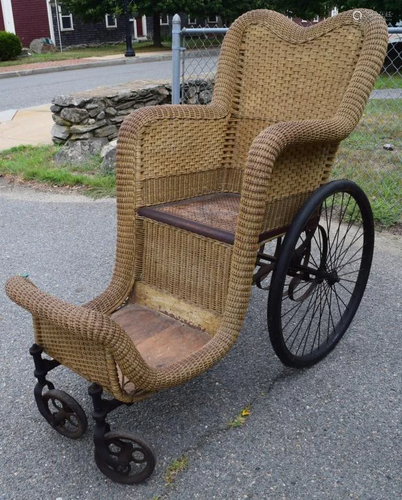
x=160 y=339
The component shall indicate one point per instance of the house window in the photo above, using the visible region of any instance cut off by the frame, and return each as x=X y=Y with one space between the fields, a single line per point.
x=66 y=20
x=164 y=19
x=213 y=20
x=334 y=12
x=191 y=20
x=316 y=19
x=111 y=21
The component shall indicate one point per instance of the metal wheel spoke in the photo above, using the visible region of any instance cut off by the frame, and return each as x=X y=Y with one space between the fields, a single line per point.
x=318 y=329
x=303 y=318
x=329 y=302
x=349 y=281
x=309 y=324
x=336 y=237
x=350 y=272
x=341 y=256
x=337 y=297
x=350 y=225
x=306 y=335
x=344 y=287
x=298 y=305
x=350 y=262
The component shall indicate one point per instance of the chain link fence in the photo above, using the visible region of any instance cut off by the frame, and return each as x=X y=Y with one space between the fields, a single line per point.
x=371 y=156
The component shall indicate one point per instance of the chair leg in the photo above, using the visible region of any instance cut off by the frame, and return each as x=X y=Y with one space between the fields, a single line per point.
x=121 y=456
x=58 y=408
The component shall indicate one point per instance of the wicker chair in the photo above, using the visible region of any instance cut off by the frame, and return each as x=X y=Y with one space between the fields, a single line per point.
x=200 y=189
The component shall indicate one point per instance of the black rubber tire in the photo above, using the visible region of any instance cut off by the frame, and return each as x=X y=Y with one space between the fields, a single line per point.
x=63 y=413
x=129 y=474
x=326 y=306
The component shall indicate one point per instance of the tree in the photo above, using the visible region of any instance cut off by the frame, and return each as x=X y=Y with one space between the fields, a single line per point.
x=390 y=9
x=95 y=10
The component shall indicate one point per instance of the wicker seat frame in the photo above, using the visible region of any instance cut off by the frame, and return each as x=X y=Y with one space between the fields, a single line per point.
x=199 y=188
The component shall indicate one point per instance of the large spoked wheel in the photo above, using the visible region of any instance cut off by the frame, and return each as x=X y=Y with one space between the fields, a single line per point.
x=321 y=273
x=129 y=460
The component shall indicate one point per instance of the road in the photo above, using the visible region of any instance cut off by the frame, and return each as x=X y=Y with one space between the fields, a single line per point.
x=33 y=90
x=329 y=432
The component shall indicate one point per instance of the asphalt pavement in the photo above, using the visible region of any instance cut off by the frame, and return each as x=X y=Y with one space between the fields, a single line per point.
x=329 y=432
x=40 y=88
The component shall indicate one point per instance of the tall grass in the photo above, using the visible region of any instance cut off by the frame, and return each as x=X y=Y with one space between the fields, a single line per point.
x=363 y=159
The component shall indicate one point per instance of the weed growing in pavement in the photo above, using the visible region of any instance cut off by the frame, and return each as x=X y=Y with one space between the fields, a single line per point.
x=241 y=418
x=174 y=468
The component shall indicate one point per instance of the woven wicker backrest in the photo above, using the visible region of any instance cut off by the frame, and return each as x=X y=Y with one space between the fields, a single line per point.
x=273 y=70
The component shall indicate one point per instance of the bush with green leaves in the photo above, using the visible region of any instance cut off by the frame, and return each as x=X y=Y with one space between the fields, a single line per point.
x=10 y=46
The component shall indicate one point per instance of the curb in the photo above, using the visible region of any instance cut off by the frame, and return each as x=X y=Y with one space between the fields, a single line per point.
x=86 y=65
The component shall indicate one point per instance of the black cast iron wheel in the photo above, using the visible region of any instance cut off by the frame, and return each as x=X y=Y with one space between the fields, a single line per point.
x=133 y=460
x=63 y=413
x=321 y=273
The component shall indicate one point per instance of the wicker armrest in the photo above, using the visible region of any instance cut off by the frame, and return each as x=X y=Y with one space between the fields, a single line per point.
x=146 y=116
x=263 y=153
x=79 y=321
x=145 y=120
x=274 y=139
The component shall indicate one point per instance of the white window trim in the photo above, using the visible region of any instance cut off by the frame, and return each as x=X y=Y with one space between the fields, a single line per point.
x=50 y=19
x=213 y=21
x=144 y=28
x=61 y=20
x=191 y=21
x=114 y=25
x=167 y=23
x=316 y=19
x=8 y=16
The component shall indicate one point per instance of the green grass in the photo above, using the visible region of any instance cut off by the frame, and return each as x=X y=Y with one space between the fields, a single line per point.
x=82 y=53
x=389 y=81
x=378 y=172
x=36 y=164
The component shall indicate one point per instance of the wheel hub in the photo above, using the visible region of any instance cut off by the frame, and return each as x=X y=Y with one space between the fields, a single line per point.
x=332 y=278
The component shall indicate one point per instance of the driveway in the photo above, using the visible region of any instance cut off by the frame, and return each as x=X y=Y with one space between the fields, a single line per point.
x=329 y=432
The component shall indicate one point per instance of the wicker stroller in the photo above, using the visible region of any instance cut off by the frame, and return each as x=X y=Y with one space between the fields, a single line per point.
x=211 y=200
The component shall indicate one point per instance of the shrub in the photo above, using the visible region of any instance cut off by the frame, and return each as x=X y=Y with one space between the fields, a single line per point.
x=10 y=46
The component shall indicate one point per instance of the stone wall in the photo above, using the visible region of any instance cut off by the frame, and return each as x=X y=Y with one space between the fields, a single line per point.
x=98 y=114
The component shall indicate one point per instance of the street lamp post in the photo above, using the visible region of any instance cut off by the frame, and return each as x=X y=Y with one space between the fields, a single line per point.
x=129 y=42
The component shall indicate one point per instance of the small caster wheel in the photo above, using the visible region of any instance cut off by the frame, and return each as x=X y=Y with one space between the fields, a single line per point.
x=63 y=413
x=130 y=460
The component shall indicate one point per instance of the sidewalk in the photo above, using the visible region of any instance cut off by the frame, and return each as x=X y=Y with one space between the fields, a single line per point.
x=25 y=126
x=83 y=63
